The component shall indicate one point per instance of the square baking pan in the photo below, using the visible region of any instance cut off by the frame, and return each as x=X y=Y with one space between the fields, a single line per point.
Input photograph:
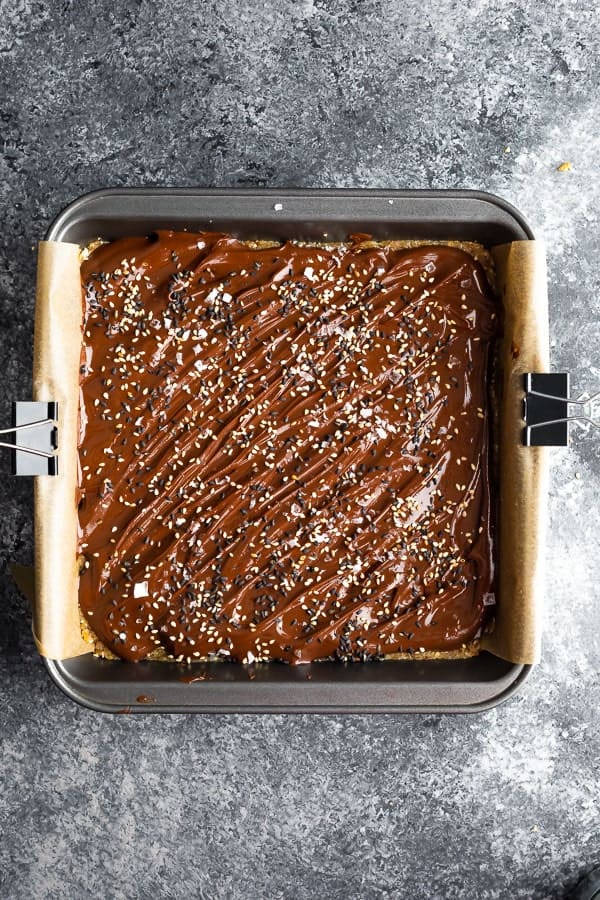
x=465 y=685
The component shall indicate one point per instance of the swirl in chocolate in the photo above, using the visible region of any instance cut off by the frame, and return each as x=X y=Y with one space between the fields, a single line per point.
x=284 y=449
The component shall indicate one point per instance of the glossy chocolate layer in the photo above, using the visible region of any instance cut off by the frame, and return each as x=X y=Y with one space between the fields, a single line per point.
x=284 y=450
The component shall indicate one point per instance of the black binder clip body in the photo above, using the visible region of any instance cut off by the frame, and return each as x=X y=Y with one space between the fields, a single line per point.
x=32 y=438
x=548 y=409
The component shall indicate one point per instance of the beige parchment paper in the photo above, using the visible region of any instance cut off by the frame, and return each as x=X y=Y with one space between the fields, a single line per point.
x=521 y=280
x=56 y=353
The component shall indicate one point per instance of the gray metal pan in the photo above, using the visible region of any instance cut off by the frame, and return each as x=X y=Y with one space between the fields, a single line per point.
x=389 y=686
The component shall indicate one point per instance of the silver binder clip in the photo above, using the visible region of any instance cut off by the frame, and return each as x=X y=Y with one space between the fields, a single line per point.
x=548 y=409
x=34 y=438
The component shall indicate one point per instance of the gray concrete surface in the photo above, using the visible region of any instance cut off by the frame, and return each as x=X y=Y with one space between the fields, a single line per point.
x=491 y=95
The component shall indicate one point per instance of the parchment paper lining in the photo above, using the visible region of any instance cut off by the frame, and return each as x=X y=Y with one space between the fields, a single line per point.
x=521 y=281
x=56 y=352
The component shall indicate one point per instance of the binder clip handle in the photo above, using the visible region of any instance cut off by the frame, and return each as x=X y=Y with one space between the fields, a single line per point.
x=32 y=438
x=548 y=409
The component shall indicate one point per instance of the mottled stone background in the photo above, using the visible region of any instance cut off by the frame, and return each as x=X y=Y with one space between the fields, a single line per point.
x=492 y=95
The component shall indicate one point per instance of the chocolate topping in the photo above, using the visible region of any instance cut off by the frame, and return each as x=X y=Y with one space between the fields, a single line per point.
x=284 y=450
